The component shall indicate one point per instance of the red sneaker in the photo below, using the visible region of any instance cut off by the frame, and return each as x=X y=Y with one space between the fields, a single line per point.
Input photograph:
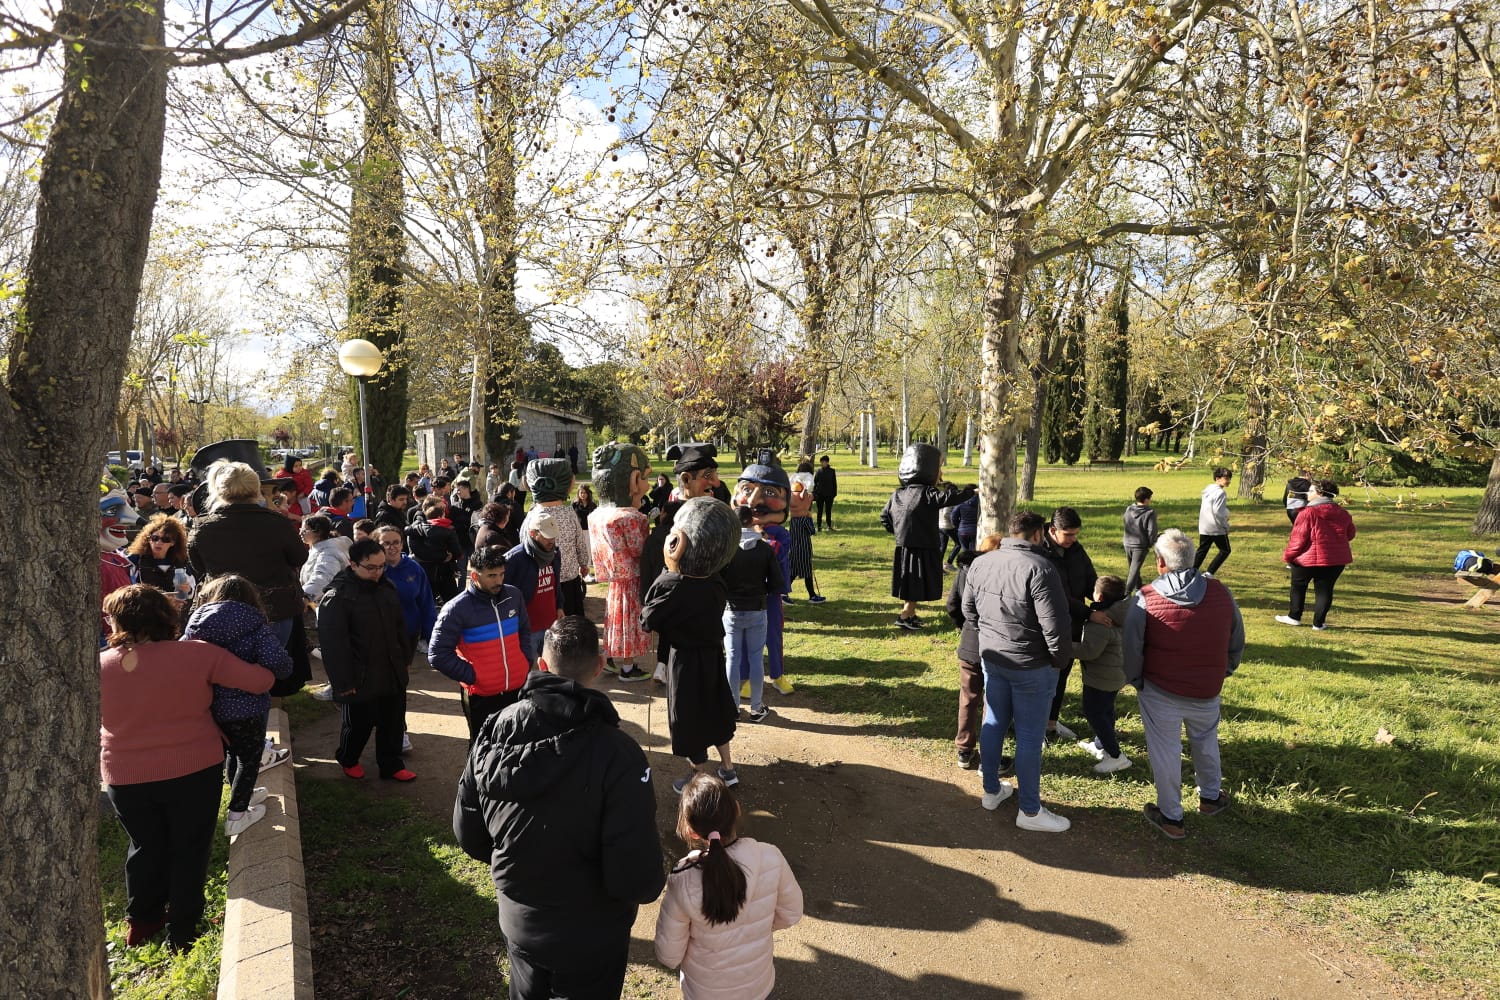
x=357 y=771
x=404 y=775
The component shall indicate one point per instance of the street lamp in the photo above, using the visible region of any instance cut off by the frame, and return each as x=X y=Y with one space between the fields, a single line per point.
x=328 y=414
x=360 y=359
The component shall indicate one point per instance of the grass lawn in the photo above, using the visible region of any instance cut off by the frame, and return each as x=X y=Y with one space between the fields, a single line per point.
x=1398 y=844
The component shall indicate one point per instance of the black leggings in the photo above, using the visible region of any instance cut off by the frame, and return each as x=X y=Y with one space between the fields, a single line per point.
x=1062 y=688
x=1099 y=710
x=247 y=742
x=1322 y=578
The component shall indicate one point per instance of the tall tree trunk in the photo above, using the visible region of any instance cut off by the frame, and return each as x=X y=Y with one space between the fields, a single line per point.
x=1041 y=381
x=1000 y=396
x=377 y=245
x=1487 y=521
x=96 y=196
x=1253 y=449
x=504 y=329
x=814 y=326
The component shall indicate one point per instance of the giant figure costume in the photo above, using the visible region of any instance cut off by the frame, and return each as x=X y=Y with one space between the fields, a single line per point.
x=766 y=490
x=617 y=536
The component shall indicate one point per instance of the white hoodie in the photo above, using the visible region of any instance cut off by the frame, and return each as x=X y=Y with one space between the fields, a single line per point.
x=1213 y=511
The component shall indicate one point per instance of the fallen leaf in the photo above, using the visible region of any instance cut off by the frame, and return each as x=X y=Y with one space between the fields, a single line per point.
x=1384 y=737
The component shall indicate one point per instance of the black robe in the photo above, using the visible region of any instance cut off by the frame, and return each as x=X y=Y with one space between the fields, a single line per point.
x=688 y=614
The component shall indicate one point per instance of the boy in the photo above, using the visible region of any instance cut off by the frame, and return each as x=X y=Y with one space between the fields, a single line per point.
x=1140 y=535
x=1213 y=521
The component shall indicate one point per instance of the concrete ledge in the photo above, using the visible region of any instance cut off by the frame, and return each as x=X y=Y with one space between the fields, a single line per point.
x=267 y=947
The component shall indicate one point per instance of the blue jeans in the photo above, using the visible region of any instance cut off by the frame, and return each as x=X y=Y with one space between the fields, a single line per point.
x=1021 y=697
x=744 y=639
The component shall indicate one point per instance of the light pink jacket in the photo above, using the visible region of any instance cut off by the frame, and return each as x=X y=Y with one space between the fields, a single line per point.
x=729 y=961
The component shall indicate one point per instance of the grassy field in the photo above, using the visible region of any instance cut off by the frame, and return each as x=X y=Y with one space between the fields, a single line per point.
x=1397 y=844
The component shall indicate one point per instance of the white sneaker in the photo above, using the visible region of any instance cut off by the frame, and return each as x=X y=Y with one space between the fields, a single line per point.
x=406 y=742
x=1065 y=732
x=1109 y=765
x=274 y=756
x=1090 y=747
x=258 y=795
x=324 y=693
x=422 y=646
x=236 y=826
x=993 y=801
x=660 y=676
x=1288 y=620
x=1045 y=821
x=316 y=653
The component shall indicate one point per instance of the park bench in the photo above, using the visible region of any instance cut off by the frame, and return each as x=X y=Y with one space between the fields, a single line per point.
x=1485 y=587
x=1105 y=464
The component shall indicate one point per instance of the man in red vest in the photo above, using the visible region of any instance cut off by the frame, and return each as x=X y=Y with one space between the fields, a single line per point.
x=1182 y=638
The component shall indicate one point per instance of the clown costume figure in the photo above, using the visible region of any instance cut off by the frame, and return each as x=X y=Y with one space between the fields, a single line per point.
x=116 y=518
x=685 y=606
x=617 y=535
x=766 y=490
x=911 y=514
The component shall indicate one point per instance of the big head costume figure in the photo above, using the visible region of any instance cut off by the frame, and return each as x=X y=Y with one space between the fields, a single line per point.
x=920 y=466
x=549 y=479
x=703 y=539
x=116 y=518
x=765 y=489
x=696 y=469
x=617 y=535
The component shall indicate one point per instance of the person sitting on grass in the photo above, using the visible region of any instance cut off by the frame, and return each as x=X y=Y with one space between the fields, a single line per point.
x=1183 y=637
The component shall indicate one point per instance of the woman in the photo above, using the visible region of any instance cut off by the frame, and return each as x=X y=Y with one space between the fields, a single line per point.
x=494 y=527
x=511 y=496
x=328 y=554
x=584 y=505
x=240 y=534
x=660 y=493
x=162 y=757
x=293 y=468
x=158 y=552
x=1317 y=553
x=800 y=526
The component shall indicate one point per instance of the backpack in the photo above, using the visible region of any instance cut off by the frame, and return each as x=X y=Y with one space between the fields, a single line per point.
x=1473 y=561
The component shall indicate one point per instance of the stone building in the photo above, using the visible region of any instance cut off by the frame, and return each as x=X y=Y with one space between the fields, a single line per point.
x=547 y=429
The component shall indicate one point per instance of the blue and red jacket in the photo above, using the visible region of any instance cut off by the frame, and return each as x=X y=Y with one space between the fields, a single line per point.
x=482 y=641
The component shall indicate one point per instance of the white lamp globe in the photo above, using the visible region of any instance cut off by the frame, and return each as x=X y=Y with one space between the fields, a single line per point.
x=360 y=358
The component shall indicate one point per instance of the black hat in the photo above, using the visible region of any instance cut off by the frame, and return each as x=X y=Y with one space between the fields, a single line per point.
x=675 y=451
x=693 y=458
x=235 y=450
x=181 y=489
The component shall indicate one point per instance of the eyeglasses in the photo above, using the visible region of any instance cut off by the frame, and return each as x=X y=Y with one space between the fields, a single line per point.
x=372 y=567
x=395 y=544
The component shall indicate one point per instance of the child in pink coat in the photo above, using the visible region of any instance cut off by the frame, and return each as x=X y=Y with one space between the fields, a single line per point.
x=724 y=901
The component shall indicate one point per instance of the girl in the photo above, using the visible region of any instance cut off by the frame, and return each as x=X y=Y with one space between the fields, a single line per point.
x=230 y=615
x=723 y=901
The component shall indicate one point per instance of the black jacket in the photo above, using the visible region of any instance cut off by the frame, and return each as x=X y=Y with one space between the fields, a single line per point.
x=825 y=483
x=911 y=514
x=968 y=631
x=433 y=542
x=1078 y=576
x=385 y=514
x=363 y=634
x=753 y=573
x=559 y=801
x=259 y=544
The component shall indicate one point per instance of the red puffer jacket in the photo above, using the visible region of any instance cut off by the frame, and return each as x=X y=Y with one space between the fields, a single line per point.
x=1321 y=536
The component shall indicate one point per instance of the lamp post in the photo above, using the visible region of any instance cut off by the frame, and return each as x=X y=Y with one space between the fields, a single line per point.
x=328 y=414
x=361 y=359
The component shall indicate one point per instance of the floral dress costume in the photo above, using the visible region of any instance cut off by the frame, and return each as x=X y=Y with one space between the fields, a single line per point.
x=617 y=536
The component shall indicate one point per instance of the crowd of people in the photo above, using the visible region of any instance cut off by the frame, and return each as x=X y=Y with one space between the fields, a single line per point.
x=219 y=591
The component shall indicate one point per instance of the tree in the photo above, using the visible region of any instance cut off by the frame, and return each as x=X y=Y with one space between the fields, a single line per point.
x=1109 y=383
x=1062 y=418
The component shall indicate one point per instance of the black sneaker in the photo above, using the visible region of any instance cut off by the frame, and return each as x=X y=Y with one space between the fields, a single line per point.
x=633 y=673
x=968 y=760
x=758 y=714
x=729 y=776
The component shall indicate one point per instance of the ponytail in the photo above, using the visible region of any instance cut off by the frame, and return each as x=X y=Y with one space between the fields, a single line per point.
x=707 y=815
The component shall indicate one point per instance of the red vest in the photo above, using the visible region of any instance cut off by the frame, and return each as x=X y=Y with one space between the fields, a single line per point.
x=1187 y=647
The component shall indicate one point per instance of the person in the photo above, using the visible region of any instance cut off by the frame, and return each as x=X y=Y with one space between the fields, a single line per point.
x=531 y=568
x=1016 y=596
x=462 y=507
x=417 y=605
x=617 y=537
x=559 y=802
x=116 y=520
x=294 y=469
x=949 y=535
x=517 y=495
x=158 y=552
x=584 y=505
x=661 y=492
x=1213 y=521
x=239 y=534
x=366 y=651
x=351 y=462
x=1140 y=535
x=573 y=458
x=338 y=510
x=685 y=606
x=162 y=757
x=966 y=521
x=724 y=901
x=1098 y=651
x=326 y=484
x=493 y=526
x=230 y=615
x=697 y=470
x=801 y=528
x=1060 y=541
x=1294 y=498
x=327 y=555
x=911 y=515
x=493 y=480
x=752 y=578
x=434 y=545
x=765 y=489
x=482 y=640
x=970 y=674
x=825 y=489
x=393 y=510
x=550 y=481
x=1317 y=552
x=1183 y=636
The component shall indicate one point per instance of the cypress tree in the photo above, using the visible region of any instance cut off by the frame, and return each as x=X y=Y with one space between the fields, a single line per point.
x=1062 y=420
x=1109 y=384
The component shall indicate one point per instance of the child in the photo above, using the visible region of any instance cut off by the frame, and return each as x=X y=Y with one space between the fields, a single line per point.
x=230 y=615
x=752 y=579
x=724 y=901
x=1213 y=521
x=1140 y=535
x=1101 y=651
x=911 y=515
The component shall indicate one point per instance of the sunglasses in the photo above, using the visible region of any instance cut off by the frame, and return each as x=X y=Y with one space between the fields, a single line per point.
x=160 y=539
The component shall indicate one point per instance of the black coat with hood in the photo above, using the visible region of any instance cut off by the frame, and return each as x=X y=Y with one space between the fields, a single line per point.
x=559 y=801
x=362 y=631
x=1078 y=575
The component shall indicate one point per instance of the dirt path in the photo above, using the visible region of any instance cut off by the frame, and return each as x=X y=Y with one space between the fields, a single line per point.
x=913 y=890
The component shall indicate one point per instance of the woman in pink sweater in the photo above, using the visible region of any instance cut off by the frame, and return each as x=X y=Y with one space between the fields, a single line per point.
x=724 y=901
x=163 y=758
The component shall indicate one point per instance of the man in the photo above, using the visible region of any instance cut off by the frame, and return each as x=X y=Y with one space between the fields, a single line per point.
x=145 y=505
x=340 y=506
x=179 y=494
x=366 y=650
x=1183 y=636
x=393 y=511
x=1015 y=595
x=493 y=481
x=1213 y=521
x=825 y=488
x=482 y=639
x=411 y=583
x=531 y=567
x=1061 y=544
x=161 y=498
x=573 y=457
x=560 y=803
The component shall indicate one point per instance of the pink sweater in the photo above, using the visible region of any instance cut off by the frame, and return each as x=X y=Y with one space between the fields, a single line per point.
x=154 y=722
x=729 y=961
